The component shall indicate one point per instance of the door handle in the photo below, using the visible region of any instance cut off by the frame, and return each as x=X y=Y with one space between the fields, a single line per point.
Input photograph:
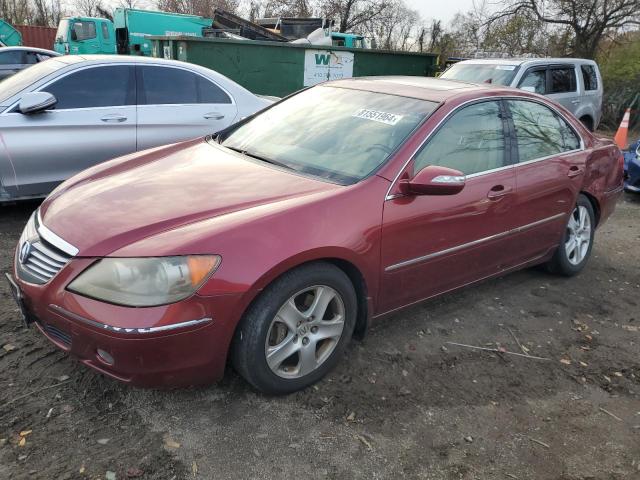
x=498 y=191
x=213 y=116
x=113 y=118
x=575 y=102
x=574 y=171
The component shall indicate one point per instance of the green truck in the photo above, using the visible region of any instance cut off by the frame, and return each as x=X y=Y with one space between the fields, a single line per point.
x=9 y=36
x=126 y=34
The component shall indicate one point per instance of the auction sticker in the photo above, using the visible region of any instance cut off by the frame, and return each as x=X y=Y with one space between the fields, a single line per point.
x=377 y=116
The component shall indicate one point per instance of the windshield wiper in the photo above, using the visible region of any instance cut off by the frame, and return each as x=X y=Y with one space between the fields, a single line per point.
x=261 y=158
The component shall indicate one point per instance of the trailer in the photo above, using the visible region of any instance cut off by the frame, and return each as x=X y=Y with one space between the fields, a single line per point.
x=278 y=69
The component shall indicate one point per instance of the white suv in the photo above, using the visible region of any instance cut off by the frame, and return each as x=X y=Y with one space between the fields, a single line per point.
x=575 y=83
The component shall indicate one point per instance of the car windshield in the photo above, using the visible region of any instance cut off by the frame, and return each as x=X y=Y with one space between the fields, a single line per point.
x=495 y=74
x=21 y=80
x=338 y=134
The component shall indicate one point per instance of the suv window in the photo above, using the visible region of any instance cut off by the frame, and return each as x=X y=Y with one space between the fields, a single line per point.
x=84 y=30
x=563 y=80
x=471 y=141
x=536 y=79
x=590 y=77
x=540 y=132
x=116 y=84
x=13 y=57
x=167 y=85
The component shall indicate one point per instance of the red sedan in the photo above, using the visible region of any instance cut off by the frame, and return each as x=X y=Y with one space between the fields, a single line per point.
x=272 y=243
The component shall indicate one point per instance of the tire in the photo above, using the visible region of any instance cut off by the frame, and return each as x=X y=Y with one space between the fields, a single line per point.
x=574 y=251
x=587 y=122
x=282 y=324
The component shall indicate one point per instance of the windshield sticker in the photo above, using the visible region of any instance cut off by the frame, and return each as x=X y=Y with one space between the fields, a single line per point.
x=377 y=116
x=505 y=67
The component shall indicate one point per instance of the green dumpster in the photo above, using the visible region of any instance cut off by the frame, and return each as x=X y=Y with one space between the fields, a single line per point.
x=273 y=68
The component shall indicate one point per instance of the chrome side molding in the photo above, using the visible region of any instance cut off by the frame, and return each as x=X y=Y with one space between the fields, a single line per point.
x=430 y=256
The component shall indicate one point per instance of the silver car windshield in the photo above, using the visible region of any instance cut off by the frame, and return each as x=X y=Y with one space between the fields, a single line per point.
x=24 y=78
x=494 y=74
x=335 y=133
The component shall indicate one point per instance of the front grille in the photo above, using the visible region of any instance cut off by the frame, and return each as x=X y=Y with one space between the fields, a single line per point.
x=58 y=334
x=44 y=260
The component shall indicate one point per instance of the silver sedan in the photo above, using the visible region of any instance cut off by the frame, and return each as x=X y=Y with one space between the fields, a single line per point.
x=68 y=113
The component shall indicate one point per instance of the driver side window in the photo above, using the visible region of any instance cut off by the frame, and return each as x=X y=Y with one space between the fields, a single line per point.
x=471 y=141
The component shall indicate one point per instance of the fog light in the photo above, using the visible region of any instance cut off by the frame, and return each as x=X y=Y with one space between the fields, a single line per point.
x=105 y=357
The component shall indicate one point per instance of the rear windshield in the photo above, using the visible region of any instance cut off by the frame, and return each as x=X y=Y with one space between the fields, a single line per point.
x=338 y=134
x=21 y=80
x=494 y=74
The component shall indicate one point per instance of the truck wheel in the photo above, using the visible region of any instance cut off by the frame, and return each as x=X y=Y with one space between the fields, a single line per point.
x=296 y=330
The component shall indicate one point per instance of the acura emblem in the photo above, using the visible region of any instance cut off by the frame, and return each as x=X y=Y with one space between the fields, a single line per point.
x=25 y=249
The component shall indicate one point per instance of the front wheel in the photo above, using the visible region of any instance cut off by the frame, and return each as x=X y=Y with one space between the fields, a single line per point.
x=296 y=331
x=574 y=252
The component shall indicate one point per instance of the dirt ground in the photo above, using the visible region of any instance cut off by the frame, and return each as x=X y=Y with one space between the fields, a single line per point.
x=403 y=403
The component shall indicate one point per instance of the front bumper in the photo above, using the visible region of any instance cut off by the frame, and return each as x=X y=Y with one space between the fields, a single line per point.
x=145 y=348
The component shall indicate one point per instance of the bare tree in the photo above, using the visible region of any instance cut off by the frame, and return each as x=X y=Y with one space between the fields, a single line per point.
x=204 y=8
x=89 y=8
x=397 y=27
x=352 y=14
x=589 y=20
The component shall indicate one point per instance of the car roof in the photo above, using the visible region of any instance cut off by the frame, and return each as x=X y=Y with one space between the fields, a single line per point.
x=423 y=88
x=30 y=49
x=522 y=61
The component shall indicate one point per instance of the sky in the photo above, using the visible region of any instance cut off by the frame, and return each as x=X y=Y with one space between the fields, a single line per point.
x=440 y=9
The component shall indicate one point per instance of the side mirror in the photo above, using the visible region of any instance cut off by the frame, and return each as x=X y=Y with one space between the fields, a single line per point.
x=528 y=89
x=34 y=102
x=434 y=180
x=74 y=35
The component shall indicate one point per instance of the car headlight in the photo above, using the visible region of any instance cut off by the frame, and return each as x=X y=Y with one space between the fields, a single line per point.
x=145 y=282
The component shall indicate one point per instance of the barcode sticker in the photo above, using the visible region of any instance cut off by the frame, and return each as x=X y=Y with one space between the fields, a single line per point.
x=377 y=116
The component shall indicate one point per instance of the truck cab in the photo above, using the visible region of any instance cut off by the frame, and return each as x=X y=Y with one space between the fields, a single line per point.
x=350 y=40
x=85 y=35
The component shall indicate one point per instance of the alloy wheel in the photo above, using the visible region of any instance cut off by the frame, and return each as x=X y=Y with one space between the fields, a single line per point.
x=305 y=331
x=578 y=236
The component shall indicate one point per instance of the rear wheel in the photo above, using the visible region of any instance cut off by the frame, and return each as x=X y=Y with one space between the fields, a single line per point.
x=587 y=122
x=296 y=331
x=572 y=255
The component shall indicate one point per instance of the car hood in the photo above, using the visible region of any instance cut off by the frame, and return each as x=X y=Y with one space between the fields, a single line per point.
x=125 y=200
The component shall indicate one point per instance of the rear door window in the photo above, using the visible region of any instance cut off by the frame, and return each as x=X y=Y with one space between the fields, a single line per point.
x=174 y=86
x=13 y=57
x=589 y=76
x=562 y=80
x=104 y=86
x=105 y=30
x=540 y=132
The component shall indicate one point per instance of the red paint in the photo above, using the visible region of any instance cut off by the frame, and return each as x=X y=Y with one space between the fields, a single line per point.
x=39 y=37
x=195 y=198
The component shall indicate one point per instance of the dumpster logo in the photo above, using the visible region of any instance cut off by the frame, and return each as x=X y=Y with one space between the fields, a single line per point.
x=323 y=65
x=322 y=58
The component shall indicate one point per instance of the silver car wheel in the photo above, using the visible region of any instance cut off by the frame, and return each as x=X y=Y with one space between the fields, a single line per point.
x=578 y=236
x=305 y=331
